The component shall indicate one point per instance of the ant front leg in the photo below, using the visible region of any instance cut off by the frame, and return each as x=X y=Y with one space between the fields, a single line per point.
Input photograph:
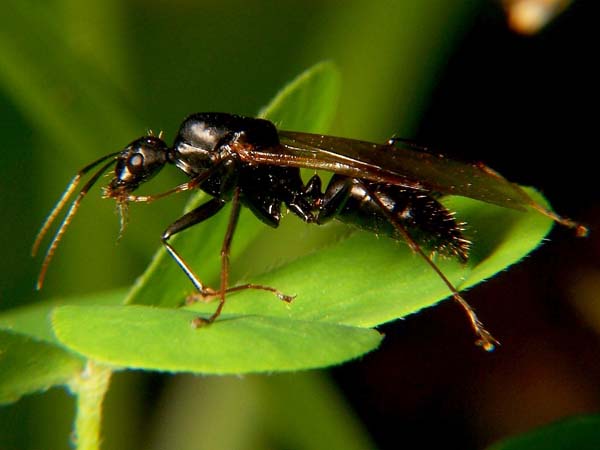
x=200 y=214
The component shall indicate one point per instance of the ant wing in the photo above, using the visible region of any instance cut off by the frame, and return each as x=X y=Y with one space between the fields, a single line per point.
x=402 y=166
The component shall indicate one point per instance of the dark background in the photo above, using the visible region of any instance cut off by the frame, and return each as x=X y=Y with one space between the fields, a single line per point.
x=455 y=78
x=523 y=104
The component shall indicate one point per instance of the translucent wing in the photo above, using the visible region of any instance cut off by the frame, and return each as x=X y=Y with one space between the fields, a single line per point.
x=412 y=167
x=402 y=166
x=391 y=164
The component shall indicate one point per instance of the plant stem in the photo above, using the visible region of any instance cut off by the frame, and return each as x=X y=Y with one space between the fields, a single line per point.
x=90 y=387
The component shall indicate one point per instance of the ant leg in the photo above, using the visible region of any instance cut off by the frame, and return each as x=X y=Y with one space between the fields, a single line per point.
x=307 y=201
x=312 y=190
x=193 y=183
x=334 y=199
x=225 y=250
x=200 y=214
x=580 y=229
x=283 y=297
x=210 y=294
x=485 y=339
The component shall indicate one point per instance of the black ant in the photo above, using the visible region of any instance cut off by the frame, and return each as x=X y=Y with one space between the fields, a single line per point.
x=389 y=189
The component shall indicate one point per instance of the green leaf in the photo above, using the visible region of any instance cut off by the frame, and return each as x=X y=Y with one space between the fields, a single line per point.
x=31 y=359
x=34 y=320
x=579 y=433
x=363 y=280
x=145 y=337
x=28 y=366
x=309 y=102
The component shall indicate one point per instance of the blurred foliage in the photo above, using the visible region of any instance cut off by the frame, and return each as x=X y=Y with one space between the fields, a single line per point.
x=80 y=79
x=65 y=107
x=578 y=433
x=324 y=335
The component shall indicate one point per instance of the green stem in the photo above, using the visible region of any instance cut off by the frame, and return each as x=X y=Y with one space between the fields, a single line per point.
x=90 y=387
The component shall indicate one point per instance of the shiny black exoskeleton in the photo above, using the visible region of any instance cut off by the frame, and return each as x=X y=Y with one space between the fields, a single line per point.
x=207 y=143
x=209 y=148
x=206 y=140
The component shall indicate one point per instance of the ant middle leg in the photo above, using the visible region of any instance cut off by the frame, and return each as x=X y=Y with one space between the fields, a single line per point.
x=225 y=251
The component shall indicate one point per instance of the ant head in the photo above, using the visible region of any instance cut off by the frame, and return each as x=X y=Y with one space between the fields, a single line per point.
x=137 y=163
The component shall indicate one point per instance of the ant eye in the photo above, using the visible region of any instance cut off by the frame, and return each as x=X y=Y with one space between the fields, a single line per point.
x=136 y=161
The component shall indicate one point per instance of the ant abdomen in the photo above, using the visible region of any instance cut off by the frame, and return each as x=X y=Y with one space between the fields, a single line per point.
x=370 y=206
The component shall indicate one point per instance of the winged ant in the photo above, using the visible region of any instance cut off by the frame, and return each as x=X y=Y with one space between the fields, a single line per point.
x=388 y=189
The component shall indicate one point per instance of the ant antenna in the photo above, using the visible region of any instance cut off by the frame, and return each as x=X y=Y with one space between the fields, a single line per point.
x=71 y=212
